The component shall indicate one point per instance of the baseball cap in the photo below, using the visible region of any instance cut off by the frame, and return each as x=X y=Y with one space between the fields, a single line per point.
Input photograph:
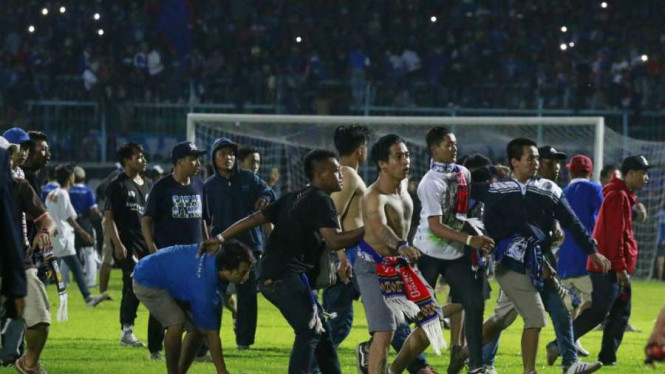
x=185 y=149
x=4 y=144
x=638 y=162
x=580 y=164
x=16 y=135
x=548 y=152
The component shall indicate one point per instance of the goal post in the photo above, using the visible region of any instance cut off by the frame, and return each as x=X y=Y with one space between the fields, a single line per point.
x=597 y=123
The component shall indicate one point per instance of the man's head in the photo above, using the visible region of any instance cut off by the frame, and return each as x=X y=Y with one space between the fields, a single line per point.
x=352 y=141
x=79 y=174
x=249 y=158
x=186 y=158
x=550 y=162
x=40 y=153
x=442 y=143
x=234 y=262
x=634 y=171
x=478 y=166
x=64 y=175
x=522 y=157
x=391 y=157
x=580 y=166
x=20 y=145
x=224 y=155
x=323 y=171
x=607 y=172
x=132 y=158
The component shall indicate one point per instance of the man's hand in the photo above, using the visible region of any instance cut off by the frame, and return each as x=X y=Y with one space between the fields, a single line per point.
x=641 y=211
x=87 y=238
x=501 y=171
x=344 y=269
x=14 y=307
x=260 y=203
x=210 y=245
x=482 y=242
x=548 y=271
x=623 y=279
x=410 y=252
x=600 y=261
x=557 y=236
x=42 y=241
x=120 y=252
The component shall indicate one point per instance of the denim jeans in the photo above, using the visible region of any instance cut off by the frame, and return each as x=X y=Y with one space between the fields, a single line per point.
x=247 y=309
x=74 y=265
x=561 y=322
x=294 y=300
x=609 y=300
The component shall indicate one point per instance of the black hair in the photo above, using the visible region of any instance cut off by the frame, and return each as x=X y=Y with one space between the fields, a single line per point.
x=244 y=152
x=607 y=170
x=515 y=149
x=475 y=161
x=381 y=149
x=50 y=174
x=126 y=151
x=232 y=254
x=435 y=135
x=36 y=136
x=63 y=173
x=349 y=138
x=314 y=158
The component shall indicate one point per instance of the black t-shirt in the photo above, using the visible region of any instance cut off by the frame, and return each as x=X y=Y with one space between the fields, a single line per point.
x=176 y=211
x=295 y=243
x=127 y=201
x=26 y=201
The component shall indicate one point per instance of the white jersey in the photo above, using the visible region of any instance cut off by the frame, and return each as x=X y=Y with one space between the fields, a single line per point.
x=61 y=209
x=437 y=192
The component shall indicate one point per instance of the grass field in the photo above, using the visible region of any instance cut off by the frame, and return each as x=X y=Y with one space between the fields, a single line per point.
x=88 y=342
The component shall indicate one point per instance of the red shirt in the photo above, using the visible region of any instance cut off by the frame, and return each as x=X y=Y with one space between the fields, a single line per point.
x=614 y=228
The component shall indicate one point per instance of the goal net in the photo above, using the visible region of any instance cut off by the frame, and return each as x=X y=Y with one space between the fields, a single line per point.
x=284 y=140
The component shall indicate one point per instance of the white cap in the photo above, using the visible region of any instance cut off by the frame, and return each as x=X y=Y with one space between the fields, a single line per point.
x=5 y=144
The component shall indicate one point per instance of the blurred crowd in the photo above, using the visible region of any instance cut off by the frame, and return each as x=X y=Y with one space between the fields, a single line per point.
x=313 y=55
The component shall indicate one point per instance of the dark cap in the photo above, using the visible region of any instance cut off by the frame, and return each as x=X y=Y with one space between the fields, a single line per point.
x=16 y=135
x=548 y=152
x=185 y=149
x=580 y=164
x=635 y=163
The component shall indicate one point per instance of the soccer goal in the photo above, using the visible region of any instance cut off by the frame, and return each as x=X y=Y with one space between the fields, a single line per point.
x=283 y=140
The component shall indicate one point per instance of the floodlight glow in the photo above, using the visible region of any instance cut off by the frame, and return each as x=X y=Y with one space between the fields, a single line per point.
x=298 y=39
x=31 y=29
x=433 y=19
x=100 y=32
x=44 y=11
x=645 y=58
x=96 y=16
x=603 y=5
x=564 y=29
x=63 y=9
x=563 y=47
x=571 y=44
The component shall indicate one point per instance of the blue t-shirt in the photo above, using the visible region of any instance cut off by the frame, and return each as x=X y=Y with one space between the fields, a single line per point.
x=82 y=198
x=585 y=198
x=46 y=189
x=187 y=278
x=176 y=211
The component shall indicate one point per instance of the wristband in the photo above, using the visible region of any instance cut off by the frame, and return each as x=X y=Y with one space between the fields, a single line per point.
x=43 y=231
x=220 y=238
x=401 y=245
x=468 y=240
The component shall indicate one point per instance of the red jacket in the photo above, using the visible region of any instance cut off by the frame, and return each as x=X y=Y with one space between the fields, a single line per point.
x=614 y=228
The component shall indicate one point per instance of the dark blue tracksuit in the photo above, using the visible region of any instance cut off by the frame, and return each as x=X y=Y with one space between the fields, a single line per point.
x=226 y=201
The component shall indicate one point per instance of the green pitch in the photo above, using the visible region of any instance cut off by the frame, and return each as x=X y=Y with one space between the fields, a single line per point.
x=88 y=342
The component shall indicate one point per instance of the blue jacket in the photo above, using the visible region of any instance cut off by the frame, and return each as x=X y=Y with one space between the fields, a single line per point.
x=226 y=201
x=509 y=212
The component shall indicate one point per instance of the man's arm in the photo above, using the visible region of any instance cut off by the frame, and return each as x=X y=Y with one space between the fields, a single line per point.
x=343 y=198
x=215 y=346
x=336 y=240
x=376 y=220
x=265 y=194
x=147 y=230
x=247 y=223
x=87 y=239
x=112 y=230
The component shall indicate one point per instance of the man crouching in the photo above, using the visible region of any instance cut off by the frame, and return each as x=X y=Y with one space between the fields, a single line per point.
x=185 y=292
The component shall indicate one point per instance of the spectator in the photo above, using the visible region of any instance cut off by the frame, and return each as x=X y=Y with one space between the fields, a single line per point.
x=85 y=205
x=358 y=62
x=18 y=136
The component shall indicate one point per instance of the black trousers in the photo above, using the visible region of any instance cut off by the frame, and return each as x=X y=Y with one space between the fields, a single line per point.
x=468 y=290
x=130 y=304
x=609 y=300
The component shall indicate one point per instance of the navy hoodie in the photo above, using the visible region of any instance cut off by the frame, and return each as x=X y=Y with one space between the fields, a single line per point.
x=226 y=201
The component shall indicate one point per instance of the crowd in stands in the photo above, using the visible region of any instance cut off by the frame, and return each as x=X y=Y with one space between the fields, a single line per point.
x=304 y=55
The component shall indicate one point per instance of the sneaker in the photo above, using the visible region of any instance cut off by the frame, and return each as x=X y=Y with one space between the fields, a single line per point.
x=129 y=340
x=457 y=360
x=480 y=370
x=631 y=328
x=362 y=358
x=156 y=356
x=580 y=350
x=582 y=367
x=243 y=347
x=490 y=370
x=552 y=353
x=93 y=301
x=22 y=368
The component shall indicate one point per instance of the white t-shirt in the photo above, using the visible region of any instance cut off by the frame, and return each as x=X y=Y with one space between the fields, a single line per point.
x=411 y=60
x=437 y=192
x=154 y=63
x=60 y=208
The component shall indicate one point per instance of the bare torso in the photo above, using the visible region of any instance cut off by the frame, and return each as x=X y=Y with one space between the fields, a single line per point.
x=352 y=218
x=398 y=208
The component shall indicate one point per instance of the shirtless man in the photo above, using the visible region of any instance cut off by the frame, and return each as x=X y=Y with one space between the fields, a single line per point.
x=387 y=209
